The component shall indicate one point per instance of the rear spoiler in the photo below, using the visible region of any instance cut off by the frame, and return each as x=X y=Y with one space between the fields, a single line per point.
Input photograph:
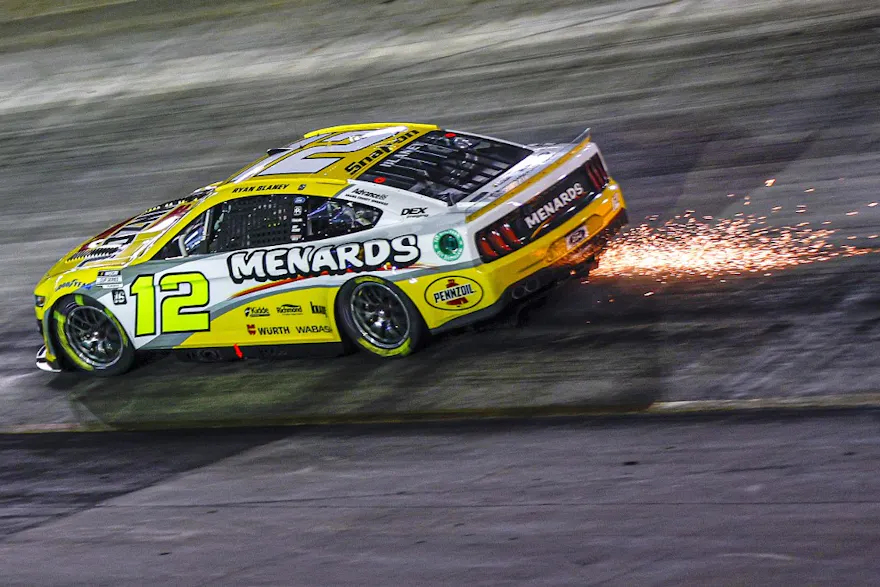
x=476 y=208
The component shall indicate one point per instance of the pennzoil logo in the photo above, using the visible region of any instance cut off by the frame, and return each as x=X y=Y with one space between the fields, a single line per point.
x=454 y=293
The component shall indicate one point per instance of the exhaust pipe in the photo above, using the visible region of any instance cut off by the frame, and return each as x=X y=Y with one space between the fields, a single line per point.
x=532 y=285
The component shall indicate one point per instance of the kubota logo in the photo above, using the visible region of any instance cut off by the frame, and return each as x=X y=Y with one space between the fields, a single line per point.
x=454 y=293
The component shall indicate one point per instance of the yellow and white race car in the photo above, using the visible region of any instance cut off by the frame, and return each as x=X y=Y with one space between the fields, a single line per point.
x=374 y=236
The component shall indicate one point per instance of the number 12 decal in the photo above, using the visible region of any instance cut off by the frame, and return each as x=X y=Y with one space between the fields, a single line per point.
x=173 y=307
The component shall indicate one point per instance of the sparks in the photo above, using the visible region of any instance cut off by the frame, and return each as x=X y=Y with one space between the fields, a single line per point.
x=686 y=248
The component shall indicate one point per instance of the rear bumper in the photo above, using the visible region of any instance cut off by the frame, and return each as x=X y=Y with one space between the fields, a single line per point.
x=576 y=263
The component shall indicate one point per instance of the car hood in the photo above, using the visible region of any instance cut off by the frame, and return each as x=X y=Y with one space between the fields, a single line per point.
x=125 y=242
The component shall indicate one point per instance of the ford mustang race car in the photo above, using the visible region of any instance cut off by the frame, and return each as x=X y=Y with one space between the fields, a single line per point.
x=374 y=236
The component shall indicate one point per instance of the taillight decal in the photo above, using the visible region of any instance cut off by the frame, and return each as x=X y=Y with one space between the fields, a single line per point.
x=486 y=249
x=498 y=242
x=509 y=235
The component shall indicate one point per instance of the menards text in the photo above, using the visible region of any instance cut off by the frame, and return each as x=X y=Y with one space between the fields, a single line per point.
x=555 y=205
x=290 y=262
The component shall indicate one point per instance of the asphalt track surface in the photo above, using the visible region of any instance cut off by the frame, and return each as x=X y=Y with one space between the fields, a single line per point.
x=690 y=101
x=779 y=500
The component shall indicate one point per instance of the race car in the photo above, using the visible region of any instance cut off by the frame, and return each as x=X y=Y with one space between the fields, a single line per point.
x=372 y=236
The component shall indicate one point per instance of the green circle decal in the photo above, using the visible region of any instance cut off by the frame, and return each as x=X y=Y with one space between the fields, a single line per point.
x=448 y=245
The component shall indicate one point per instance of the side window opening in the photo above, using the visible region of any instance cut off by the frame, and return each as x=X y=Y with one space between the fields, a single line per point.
x=255 y=221
x=188 y=241
x=329 y=217
x=270 y=220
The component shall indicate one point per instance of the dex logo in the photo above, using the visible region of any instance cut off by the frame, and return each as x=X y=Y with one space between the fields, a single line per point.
x=414 y=212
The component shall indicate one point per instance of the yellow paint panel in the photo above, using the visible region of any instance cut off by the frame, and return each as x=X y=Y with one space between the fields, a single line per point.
x=299 y=316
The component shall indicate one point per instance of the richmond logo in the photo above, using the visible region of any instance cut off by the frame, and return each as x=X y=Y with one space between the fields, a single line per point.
x=290 y=262
x=289 y=309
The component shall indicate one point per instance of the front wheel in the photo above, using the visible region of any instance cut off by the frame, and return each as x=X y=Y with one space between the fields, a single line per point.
x=379 y=318
x=90 y=337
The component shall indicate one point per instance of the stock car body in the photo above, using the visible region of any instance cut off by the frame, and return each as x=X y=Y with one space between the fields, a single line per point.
x=374 y=236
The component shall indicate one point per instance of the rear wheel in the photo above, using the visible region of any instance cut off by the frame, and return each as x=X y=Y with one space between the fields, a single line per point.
x=90 y=337
x=379 y=318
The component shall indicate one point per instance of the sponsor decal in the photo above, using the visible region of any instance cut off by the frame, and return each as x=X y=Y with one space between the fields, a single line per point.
x=289 y=310
x=256 y=312
x=576 y=237
x=448 y=245
x=277 y=263
x=366 y=196
x=110 y=279
x=71 y=283
x=253 y=330
x=313 y=329
x=113 y=241
x=615 y=202
x=119 y=297
x=380 y=152
x=414 y=212
x=300 y=199
x=454 y=293
x=560 y=202
x=297 y=210
x=260 y=188
x=315 y=154
x=316 y=309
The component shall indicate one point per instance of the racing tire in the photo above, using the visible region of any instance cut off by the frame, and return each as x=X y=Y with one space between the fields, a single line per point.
x=90 y=338
x=376 y=316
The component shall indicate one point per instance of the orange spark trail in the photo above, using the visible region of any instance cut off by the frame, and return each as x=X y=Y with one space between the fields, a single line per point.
x=687 y=247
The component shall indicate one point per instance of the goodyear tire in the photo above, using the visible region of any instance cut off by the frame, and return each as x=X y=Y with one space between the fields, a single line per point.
x=376 y=316
x=90 y=338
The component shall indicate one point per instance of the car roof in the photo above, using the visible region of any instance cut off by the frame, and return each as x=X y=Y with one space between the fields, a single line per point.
x=336 y=153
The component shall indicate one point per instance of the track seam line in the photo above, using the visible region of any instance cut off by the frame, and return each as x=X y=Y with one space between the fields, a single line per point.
x=662 y=408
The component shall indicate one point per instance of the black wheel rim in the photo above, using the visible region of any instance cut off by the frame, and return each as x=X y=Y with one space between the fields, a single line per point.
x=379 y=314
x=93 y=336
